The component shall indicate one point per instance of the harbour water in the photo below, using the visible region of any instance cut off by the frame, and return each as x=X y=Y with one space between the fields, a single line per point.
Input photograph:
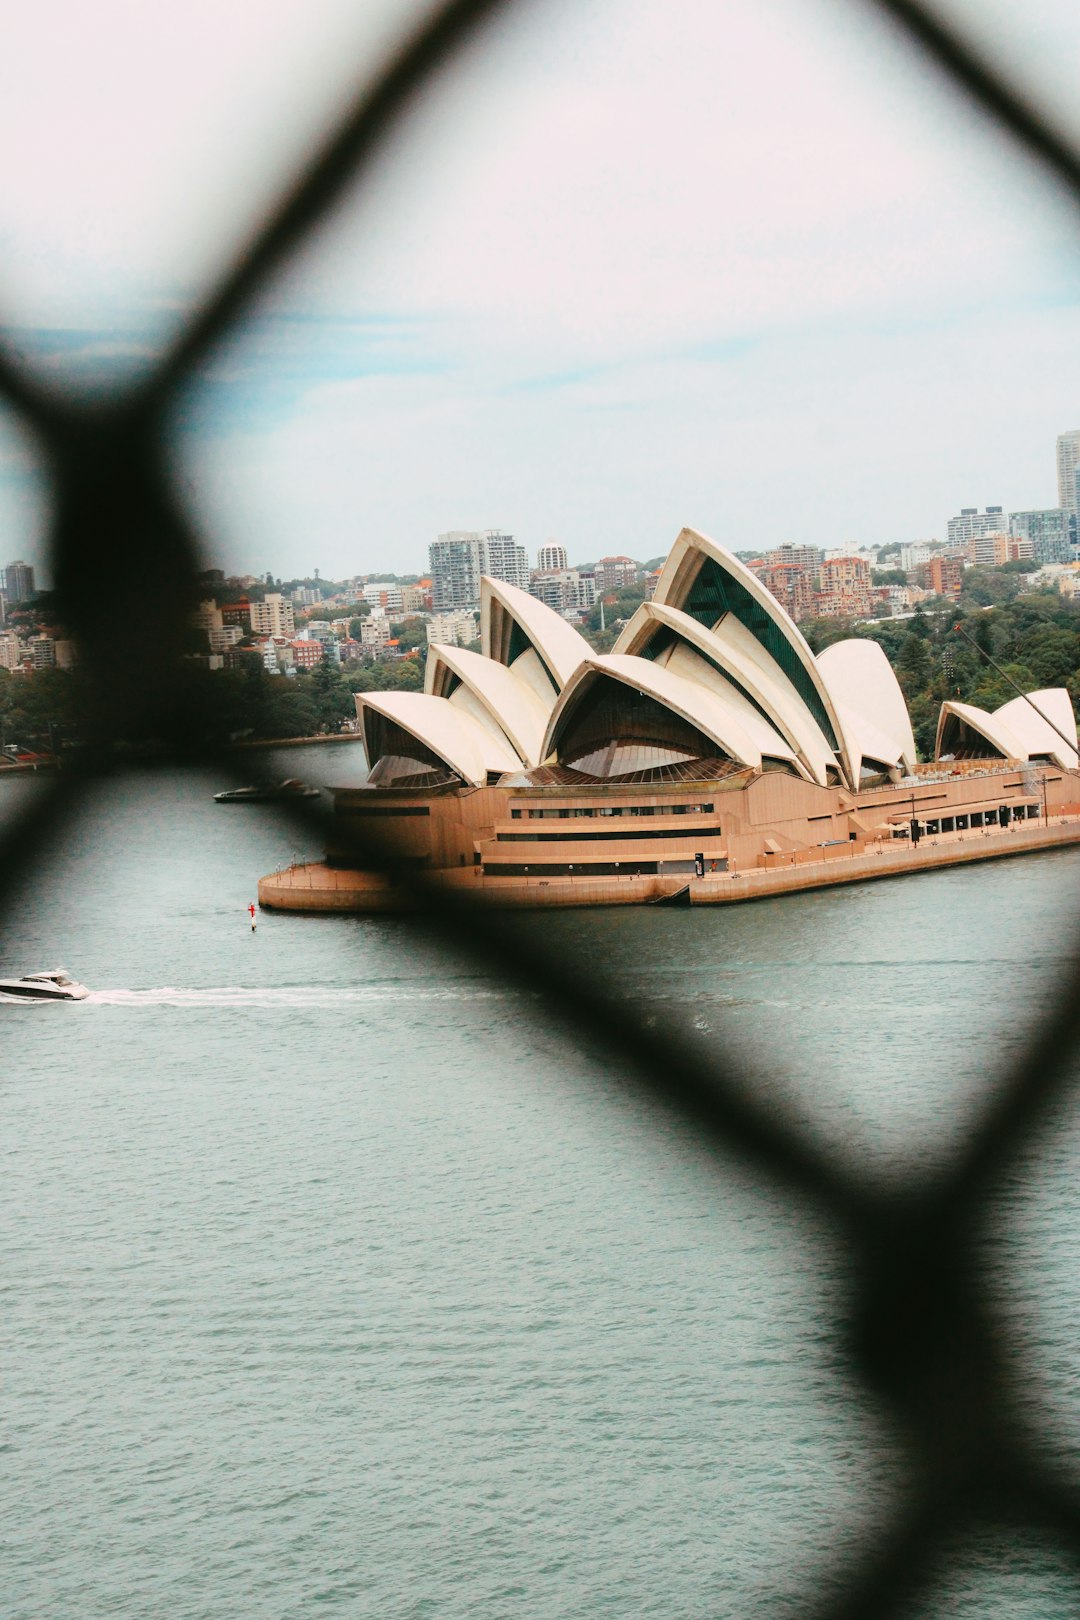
x=337 y=1281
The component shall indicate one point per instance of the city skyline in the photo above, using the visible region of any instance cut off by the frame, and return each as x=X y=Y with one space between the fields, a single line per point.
x=583 y=353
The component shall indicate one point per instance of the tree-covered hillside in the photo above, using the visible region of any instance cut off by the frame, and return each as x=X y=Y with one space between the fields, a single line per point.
x=1035 y=638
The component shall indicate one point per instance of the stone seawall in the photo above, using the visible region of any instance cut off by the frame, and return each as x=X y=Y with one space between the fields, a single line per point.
x=320 y=888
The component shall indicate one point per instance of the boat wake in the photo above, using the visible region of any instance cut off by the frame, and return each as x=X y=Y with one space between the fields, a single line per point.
x=296 y=996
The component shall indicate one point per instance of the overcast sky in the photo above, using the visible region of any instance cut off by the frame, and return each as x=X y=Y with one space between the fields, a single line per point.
x=742 y=264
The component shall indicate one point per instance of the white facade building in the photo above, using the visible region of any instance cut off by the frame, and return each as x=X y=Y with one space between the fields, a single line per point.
x=970 y=524
x=452 y=629
x=552 y=559
x=384 y=594
x=375 y=633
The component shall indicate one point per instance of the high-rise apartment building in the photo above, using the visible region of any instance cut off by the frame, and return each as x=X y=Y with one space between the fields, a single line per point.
x=1051 y=530
x=18 y=583
x=459 y=559
x=500 y=556
x=1068 y=462
x=970 y=523
x=454 y=563
x=552 y=559
x=273 y=616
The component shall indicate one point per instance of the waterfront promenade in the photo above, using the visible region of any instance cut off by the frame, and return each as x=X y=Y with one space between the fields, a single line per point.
x=316 y=887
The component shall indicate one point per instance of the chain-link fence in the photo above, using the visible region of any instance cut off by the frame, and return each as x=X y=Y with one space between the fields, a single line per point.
x=922 y=1330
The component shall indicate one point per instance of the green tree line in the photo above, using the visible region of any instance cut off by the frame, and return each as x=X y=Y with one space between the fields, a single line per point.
x=1034 y=638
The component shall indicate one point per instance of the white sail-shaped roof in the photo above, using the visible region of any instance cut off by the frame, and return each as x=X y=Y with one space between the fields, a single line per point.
x=683 y=661
x=954 y=717
x=1029 y=718
x=699 y=707
x=490 y=691
x=709 y=583
x=747 y=665
x=465 y=746
x=868 y=698
x=513 y=623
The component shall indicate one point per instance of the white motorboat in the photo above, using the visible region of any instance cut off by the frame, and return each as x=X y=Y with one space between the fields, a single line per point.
x=55 y=986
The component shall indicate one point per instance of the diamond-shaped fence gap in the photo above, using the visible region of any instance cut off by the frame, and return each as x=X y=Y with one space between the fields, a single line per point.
x=629 y=1299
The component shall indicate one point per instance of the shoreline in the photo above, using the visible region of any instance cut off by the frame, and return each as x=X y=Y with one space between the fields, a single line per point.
x=295 y=742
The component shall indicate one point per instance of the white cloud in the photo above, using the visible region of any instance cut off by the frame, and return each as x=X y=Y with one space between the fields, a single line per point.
x=737 y=263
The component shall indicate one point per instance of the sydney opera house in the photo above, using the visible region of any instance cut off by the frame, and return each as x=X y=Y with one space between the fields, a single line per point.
x=709 y=756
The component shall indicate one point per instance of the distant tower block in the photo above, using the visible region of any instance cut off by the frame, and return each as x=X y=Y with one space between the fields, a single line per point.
x=1068 y=461
x=551 y=559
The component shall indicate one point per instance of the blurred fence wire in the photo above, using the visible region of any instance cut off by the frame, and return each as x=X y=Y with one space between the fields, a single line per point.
x=920 y=1328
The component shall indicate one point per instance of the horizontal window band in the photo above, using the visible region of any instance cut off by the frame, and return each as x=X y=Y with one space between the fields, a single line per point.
x=623 y=835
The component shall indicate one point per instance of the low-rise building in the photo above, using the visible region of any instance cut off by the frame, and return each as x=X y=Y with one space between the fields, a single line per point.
x=793 y=585
x=375 y=633
x=615 y=574
x=307 y=654
x=207 y=616
x=452 y=629
x=384 y=594
x=565 y=590
x=914 y=555
x=844 y=588
x=226 y=635
x=944 y=575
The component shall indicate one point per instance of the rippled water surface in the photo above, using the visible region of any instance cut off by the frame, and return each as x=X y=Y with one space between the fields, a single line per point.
x=335 y=1281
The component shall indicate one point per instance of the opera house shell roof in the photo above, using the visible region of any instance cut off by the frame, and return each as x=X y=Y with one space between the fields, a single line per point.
x=710 y=675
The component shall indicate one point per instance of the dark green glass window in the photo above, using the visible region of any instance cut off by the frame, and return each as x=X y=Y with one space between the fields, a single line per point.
x=716 y=592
